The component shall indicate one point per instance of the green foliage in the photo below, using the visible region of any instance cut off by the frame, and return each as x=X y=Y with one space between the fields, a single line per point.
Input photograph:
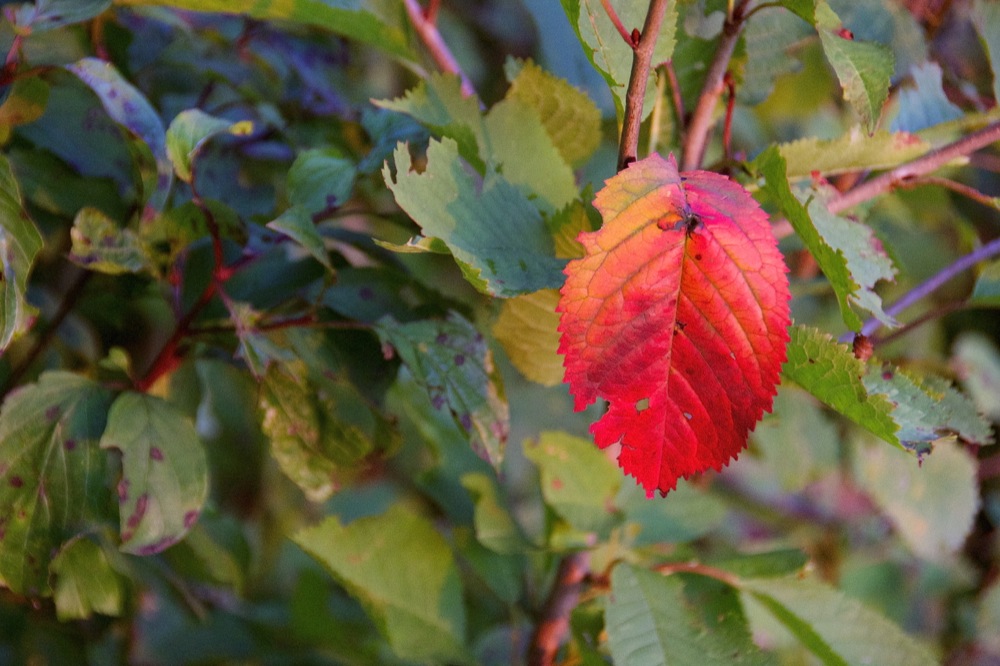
x=279 y=348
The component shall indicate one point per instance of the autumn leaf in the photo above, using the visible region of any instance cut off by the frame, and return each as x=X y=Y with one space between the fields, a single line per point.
x=678 y=316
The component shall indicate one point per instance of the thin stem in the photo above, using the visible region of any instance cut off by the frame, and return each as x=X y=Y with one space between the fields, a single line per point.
x=431 y=12
x=930 y=285
x=562 y=599
x=727 y=126
x=936 y=313
x=642 y=62
x=921 y=166
x=702 y=118
x=949 y=184
x=617 y=22
x=426 y=28
x=702 y=570
x=170 y=355
x=675 y=96
x=656 y=117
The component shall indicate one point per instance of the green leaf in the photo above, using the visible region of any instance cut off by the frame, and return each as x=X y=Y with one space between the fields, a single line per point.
x=977 y=362
x=99 y=244
x=848 y=253
x=769 y=38
x=522 y=150
x=321 y=179
x=765 y=565
x=839 y=630
x=829 y=371
x=606 y=49
x=578 y=481
x=85 y=582
x=189 y=132
x=51 y=473
x=297 y=224
x=690 y=513
x=925 y=411
x=20 y=242
x=404 y=574
x=495 y=528
x=569 y=116
x=987 y=289
x=164 y=480
x=526 y=329
x=863 y=68
x=925 y=104
x=650 y=620
x=312 y=446
x=854 y=151
x=128 y=107
x=45 y=15
x=453 y=363
x=437 y=102
x=25 y=103
x=985 y=17
x=932 y=503
x=373 y=25
x=490 y=227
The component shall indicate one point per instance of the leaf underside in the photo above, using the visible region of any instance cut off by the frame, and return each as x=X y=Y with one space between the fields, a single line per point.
x=678 y=316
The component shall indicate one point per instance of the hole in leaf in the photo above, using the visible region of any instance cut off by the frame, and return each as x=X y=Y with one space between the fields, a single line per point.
x=642 y=405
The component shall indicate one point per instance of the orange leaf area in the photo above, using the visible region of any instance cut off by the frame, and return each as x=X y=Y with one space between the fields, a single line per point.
x=678 y=316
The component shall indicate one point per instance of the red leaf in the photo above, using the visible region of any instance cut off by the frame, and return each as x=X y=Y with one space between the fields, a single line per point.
x=678 y=316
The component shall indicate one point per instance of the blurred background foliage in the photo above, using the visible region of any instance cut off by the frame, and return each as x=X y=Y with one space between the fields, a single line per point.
x=297 y=337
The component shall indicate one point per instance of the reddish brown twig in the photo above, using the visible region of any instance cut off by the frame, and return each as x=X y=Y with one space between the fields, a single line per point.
x=554 y=623
x=635 y=95
x=426 y=26
x=617 y=22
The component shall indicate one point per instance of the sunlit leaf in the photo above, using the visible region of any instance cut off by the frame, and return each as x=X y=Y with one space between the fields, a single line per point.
x=495 y=527
x=25 y=103
x=51 y=473
x=85 y=583
x=404 y=574
x=853 y=151
x=164 y=481
x=20 y=242
x=189 y=131
x=526 y=328
x=99 y=244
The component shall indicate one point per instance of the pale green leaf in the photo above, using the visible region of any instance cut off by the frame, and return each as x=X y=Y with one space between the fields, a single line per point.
x=189 y=132
x=687 y=514
x=490 y=227
x=769 y=38
x=798 y=424
x=349 y=18
x=606 y=48
x=774 y=563
x=988 y=617
x=925 y=104
x=976 y=361
x=20 y=242
x=854 y=151
x=526 y=329
x=297 y=224
x=51 y=473
x=839 y=630
x=404 y=574
x=863 y=68
x=99 y=244
x=453 y=363
x=321 y=180
x=495 y=527
x=931 y=503
x=886 y=22
x=650 y=620
x=164 y=481
x=523 y=151
x=127 y=106
x=578 y=481
x=985 y=18
x=45 y=15
x=829 y=371
x=987 y=289
x=85 y=583
x=964 y=418
x=570 y=118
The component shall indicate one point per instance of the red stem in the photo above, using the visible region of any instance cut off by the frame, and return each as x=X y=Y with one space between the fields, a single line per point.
x=727 y=127
x=427 y=29
x=617 y=22
x=554 y=623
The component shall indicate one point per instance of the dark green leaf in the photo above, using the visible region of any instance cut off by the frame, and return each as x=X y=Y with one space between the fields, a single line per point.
x=404 y=574
x=164 y=480
x=46 y=15
x=451 y=360
x=20 y=242
x=297 y=224
x=985 y=17
x=689 y=513
x=25 y=103
x=51 y=473
x=189 y=131
x=321 y=180
x=495 y=528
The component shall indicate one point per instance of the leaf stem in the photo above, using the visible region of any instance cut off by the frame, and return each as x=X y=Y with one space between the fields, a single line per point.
x=702 y=118
x=721 y=575
x=554 y=622
x=642 y=62
x=617 y=22
x=425 y=23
